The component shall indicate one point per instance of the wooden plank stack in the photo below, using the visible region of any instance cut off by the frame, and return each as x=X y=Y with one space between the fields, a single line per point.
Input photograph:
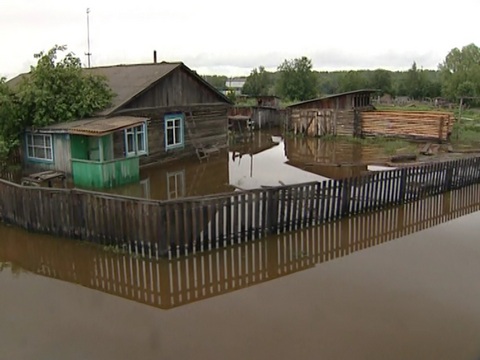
x=432 y=125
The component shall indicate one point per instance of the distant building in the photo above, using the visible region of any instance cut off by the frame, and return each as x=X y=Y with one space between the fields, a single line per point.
x=270 y=101
x=234 y=85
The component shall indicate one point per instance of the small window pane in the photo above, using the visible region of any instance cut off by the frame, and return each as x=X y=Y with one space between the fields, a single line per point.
x=38 y=141
x=40 y=153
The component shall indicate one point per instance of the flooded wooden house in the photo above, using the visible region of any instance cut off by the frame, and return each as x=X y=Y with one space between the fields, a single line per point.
x=160 y=111
x=336 y=114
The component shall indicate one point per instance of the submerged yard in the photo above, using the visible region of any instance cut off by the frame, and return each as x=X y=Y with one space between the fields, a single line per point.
x=262 y=162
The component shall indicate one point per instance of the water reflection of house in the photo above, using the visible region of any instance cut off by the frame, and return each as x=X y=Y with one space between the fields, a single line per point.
x=180 y=179
x=334 y=159
x=159 y=111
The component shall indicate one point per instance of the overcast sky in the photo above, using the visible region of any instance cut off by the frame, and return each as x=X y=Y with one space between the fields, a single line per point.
x=232 y=37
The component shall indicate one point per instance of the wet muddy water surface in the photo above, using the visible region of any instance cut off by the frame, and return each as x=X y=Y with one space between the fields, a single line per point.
x=389 y=285
x=254 y=164
x=413 y=297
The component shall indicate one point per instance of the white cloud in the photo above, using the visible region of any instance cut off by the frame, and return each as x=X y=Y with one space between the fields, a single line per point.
x=218 y=37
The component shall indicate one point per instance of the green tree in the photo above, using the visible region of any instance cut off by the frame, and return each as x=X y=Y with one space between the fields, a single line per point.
x=352 y=80
x=9 y=126
x=55 y=90
x=58 y=90
x=297 y=81
x=257 y=83
x=460 y=70
x=217 y=81
x=381 y=80
x=415 y=82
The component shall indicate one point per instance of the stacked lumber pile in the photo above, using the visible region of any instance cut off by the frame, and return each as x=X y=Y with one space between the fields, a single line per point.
x=409 y=124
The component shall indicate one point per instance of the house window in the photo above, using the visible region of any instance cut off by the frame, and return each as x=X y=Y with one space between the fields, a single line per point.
x=39 y=147
x=173 y=131
x=136 y=140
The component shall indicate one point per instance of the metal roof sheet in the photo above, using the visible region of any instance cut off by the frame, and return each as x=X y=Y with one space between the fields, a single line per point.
x=334 y=96
x=94 y=126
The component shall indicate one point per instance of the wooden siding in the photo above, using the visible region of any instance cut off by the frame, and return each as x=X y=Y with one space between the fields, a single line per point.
x=176 y=89
x=265 y=117
x=105 y=174
x=205 y=124
x=61 y=157
x=314 y=122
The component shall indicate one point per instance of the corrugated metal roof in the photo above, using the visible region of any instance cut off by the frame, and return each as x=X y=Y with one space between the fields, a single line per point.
x=334 y=96
x=94 y=126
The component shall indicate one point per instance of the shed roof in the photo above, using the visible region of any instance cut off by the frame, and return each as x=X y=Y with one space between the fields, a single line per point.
x=98 y=126
x=334 y=96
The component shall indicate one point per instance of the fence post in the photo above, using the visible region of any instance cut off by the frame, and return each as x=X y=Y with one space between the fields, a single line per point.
x=403 y=186
x=346 y=194
x=449 y=176
x=272 y=211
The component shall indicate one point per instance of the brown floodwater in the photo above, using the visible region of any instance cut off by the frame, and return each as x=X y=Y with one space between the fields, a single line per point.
x=397 y=284
x=255 y=164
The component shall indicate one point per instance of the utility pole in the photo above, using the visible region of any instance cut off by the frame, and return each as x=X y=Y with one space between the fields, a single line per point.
x=88 y=53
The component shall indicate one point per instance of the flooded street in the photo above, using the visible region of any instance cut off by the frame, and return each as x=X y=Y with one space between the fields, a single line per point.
x=255 y=164
x=397 y=284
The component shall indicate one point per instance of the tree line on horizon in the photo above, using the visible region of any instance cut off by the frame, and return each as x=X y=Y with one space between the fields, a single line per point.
x=295 y=80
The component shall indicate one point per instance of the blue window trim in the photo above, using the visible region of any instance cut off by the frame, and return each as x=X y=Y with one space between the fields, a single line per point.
x=39 y=160
x=175 y=116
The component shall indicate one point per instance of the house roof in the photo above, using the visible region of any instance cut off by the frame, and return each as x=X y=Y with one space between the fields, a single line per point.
x=128 y=81
x=97 y=126
x=334 y=96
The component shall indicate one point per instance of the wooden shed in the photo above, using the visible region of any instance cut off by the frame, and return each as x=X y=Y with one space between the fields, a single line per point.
x=174 y=113
x=335 y=114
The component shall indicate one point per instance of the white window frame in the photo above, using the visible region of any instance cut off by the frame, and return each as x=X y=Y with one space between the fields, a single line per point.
x=170 y=125
x=33 y=149
x=135 y=132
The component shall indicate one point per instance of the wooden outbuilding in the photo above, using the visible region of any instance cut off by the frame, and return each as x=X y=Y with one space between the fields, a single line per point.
x=335 y=114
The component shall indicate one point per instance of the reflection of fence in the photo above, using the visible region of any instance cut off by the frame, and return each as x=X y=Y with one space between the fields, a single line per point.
x=169 y=283
x=201 y=223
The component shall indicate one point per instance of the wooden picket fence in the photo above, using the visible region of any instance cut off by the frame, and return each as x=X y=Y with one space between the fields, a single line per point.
x=168 y=283
x=153 y=228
